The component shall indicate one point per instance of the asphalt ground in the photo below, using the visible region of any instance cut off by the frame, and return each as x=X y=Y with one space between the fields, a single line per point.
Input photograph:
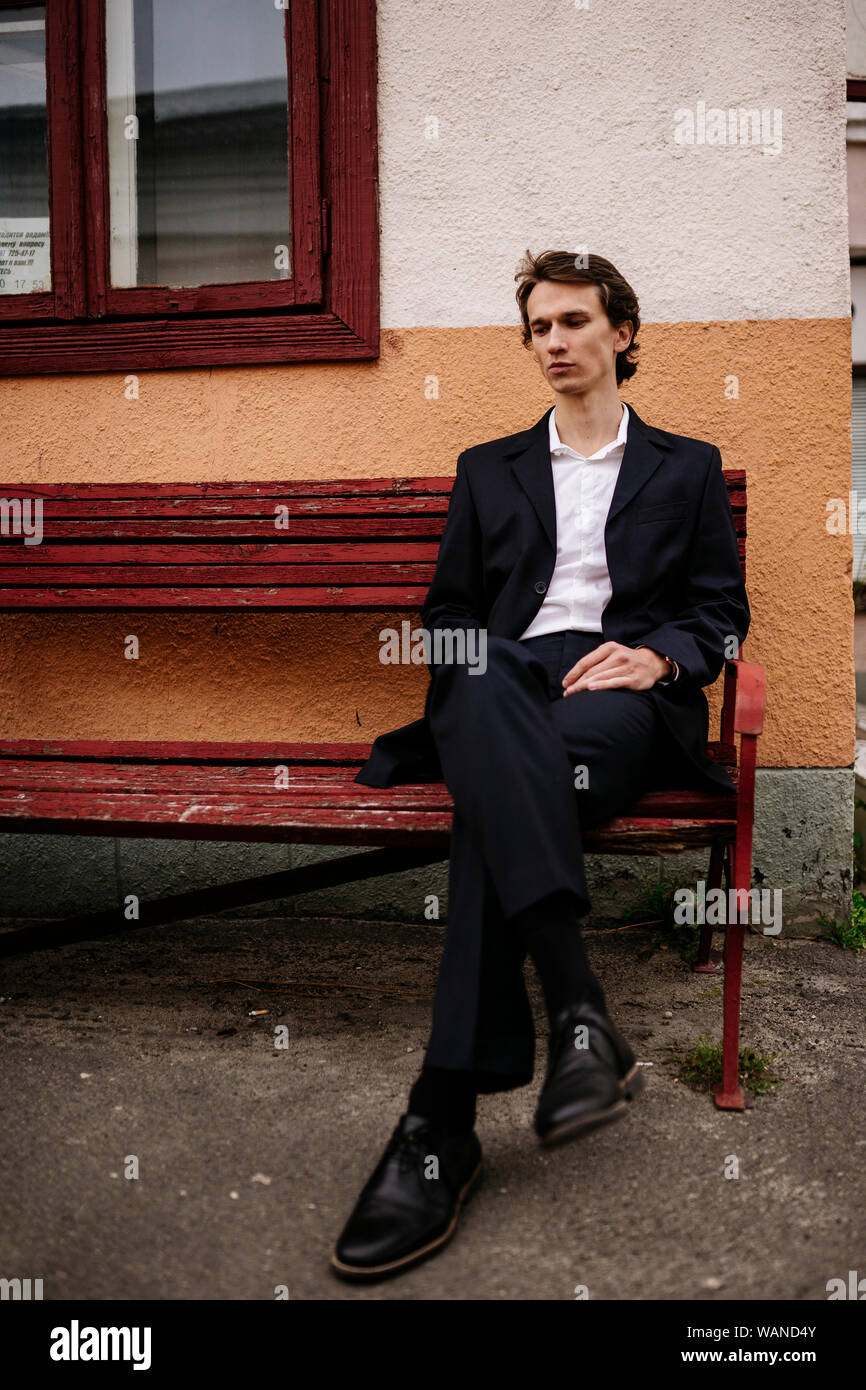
x=144 y=1053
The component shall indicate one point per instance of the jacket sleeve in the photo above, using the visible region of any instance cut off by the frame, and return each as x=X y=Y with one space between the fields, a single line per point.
x=456 y=595
x=715 y=606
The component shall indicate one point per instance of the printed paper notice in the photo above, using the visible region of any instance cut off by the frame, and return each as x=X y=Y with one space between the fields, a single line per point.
x=25 y=261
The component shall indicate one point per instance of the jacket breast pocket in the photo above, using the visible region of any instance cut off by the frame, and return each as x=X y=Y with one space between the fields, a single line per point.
x=662 y=511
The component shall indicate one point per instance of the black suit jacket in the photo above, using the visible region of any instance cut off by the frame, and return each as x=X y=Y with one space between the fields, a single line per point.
x=672 y=558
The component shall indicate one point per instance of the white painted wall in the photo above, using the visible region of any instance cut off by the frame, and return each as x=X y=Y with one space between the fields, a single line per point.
x=556 y=128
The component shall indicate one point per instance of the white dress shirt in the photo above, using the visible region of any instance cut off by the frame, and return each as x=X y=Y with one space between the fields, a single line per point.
x=583 y=485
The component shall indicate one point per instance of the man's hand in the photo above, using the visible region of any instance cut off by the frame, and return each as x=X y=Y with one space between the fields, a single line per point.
x=612 y=665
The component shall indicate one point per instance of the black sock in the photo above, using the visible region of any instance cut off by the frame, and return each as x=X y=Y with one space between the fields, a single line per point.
x=550 y=931
x=447 y=1097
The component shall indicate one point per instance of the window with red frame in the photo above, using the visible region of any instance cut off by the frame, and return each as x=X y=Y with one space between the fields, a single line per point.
x=186 y=182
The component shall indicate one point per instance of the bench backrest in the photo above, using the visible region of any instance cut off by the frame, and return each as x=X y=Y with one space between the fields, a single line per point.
x=365 y=543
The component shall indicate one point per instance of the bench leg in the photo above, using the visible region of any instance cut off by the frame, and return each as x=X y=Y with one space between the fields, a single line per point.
x=729 y=1094
x=704 y=965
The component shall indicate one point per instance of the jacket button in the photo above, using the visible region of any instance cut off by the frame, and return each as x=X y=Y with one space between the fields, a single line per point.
x=540 y=587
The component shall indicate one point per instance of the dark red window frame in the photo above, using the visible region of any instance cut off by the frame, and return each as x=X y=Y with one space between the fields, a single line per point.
x=328 y=310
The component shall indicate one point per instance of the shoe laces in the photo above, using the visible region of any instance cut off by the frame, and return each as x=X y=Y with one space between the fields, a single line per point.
x=410 y=1148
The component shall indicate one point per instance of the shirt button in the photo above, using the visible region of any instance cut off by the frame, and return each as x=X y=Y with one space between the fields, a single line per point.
x=540 y=587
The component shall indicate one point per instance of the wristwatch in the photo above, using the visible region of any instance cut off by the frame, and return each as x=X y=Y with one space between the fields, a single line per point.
x=675 y=670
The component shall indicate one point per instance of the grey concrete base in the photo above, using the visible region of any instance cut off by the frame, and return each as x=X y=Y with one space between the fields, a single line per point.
x=803 y=846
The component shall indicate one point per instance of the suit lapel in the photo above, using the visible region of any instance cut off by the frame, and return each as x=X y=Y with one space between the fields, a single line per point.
x=639 y=461
x=531 y=465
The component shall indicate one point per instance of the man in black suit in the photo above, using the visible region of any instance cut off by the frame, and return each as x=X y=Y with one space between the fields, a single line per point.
x=589 y=580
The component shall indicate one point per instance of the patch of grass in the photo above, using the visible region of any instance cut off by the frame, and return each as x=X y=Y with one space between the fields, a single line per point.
x=701 y=1066
x=850 y=934
x=655 y=908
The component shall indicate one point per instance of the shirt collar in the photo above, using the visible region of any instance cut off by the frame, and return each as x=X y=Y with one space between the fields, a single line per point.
x=606 y=449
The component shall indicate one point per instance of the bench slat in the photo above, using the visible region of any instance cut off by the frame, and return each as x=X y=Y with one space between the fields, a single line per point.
x=392 y=505
x=261 y=818
x=304 y=487
x=284 y=597
x=85 y=790
x=316 y=757
x=224 y=553
x=217 y=575
x=231 y=529
x=251 y=779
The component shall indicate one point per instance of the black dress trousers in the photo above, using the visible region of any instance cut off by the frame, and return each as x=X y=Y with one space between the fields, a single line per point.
x=527 y=768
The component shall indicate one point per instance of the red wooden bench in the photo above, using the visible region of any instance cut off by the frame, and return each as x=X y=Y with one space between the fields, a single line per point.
x=366 y=544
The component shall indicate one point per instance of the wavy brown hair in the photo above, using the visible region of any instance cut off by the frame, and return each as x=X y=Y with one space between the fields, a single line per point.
x=617 y=296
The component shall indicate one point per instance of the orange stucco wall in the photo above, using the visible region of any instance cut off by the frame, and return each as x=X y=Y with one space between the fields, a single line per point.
x=308 y=676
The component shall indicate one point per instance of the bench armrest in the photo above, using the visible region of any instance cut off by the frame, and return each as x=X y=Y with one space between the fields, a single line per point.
x=744 y=700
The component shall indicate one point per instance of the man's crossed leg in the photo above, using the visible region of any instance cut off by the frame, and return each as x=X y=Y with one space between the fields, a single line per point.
x=527 y=769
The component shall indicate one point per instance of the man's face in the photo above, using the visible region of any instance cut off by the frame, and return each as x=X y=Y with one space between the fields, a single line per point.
x=572 y=337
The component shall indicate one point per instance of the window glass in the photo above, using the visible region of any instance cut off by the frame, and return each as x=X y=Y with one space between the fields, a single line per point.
x=25 y=263
x=197 y=142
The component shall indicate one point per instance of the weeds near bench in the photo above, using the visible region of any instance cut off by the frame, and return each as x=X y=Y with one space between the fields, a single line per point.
x=701 y=1066
x=656 y=908
x=850 y=934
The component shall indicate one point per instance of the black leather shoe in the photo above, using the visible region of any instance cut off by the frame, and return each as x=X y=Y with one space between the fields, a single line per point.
x=585 y=1086
x=403 y=1216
